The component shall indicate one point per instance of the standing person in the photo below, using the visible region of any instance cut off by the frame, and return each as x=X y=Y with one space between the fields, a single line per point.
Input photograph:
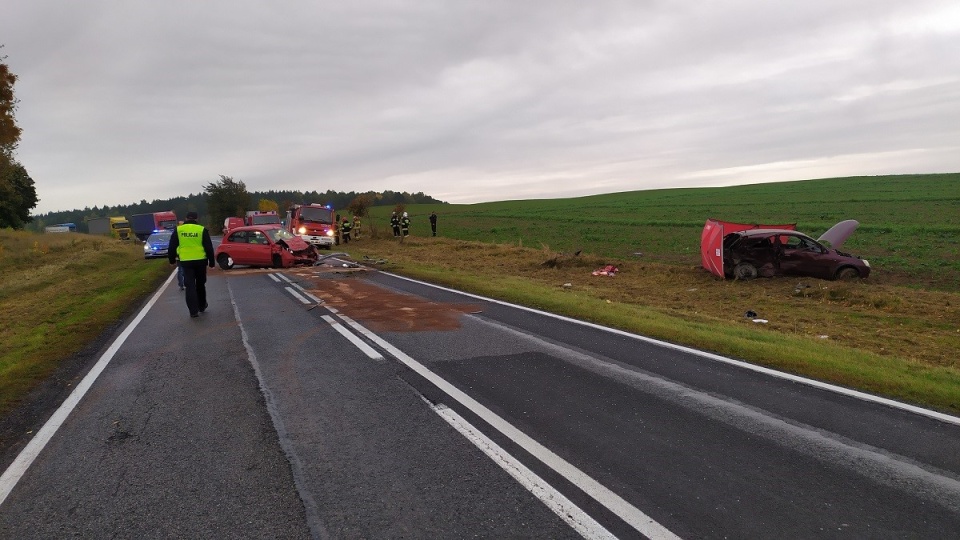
x=433 y=222
x=395 y=223
x=192 y=245
x=356 y=227
x=346 y=227
x=405 y=224
x=179 y=272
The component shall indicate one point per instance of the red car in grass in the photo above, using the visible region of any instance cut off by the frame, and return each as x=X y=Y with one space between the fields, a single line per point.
x=265 y=246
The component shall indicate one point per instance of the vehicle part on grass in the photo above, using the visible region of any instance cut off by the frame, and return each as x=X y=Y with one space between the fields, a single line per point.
x=750 y=314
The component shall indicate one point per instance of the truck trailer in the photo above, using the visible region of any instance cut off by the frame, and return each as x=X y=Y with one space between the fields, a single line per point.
x=144 y=225
x=116 y=226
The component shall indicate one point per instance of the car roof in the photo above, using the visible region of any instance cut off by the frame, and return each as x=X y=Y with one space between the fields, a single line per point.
x=770 y=232
x=261 y=228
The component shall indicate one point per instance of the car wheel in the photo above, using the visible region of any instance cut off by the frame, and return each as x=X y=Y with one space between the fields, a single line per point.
x=225 y=261
x=847 y=273
x=745 y=271
x=277 y=261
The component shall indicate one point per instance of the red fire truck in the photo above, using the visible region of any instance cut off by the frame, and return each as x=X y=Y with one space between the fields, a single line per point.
x=314 y=223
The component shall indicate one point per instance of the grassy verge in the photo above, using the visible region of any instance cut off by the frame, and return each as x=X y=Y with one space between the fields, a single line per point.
x=890 y=340
x=58 y=292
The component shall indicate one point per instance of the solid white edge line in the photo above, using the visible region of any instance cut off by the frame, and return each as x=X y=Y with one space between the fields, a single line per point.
x=568 y=511
x=357 y=342
x=936 y=415
x=16 y=470
x=297 y=295
x=613 y=502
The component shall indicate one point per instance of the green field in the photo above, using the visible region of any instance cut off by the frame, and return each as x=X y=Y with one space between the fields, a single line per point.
x=909 y=225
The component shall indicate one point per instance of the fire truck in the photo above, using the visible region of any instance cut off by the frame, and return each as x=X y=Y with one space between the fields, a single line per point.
x=314 y=223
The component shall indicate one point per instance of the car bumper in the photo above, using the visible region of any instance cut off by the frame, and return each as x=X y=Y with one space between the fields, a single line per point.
x=317 y=240
x=155 y=254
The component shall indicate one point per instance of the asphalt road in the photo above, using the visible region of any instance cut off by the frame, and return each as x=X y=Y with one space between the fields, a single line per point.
x=341 y=403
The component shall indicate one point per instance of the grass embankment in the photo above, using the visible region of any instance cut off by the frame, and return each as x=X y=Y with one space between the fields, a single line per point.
x=57 y=293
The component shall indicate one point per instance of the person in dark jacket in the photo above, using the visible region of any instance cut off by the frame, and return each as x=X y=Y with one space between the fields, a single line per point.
x=395 y=224
x=191 y=244
x=433 y=222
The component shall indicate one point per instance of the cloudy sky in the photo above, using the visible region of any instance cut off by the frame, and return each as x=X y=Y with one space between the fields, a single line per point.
x=472 y=101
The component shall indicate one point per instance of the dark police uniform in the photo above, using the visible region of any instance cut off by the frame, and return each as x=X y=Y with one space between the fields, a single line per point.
x=192 y=245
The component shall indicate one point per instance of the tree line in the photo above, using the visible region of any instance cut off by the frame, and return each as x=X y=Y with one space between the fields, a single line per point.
x=227 y=197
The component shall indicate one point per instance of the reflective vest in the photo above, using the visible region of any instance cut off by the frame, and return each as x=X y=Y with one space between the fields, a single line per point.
x=190 y=236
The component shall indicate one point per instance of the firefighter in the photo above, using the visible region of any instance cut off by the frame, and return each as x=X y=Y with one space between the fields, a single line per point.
x=395 y=224
x=346 y=227
x=405 y=224
x=356 y=227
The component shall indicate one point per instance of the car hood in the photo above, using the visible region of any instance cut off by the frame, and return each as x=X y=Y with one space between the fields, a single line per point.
x=839 y=233
x=295 y=244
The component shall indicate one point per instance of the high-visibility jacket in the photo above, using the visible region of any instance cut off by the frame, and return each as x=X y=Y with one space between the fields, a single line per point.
x=190 y=238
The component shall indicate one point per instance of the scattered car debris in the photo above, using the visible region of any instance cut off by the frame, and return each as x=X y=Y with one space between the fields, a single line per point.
x=761 y=321
x=750 y=314
x=567 y=285
x=608 y=270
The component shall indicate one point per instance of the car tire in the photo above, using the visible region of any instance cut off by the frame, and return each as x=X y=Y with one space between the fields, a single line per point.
x=744 y=271
x=847 y=273
x=225 y=261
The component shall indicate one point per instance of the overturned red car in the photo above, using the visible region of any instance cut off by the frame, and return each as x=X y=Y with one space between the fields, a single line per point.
x=741 y=251
x=265 y=246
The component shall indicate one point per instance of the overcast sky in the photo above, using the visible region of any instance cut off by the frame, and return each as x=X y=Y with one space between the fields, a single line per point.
x=472 y=101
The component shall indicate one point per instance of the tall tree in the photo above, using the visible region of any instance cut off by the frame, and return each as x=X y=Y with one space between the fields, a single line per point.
x=17 y=193
x=267 y=205
x=17 y=196
x=9 y=132
x=227 y=198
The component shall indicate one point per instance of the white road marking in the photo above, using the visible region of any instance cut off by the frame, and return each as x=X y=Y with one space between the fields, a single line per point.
x=579 y=520
x=274 y=277
x=303 y=291
x=716 y=357
x=359 y=343
x=297 y=295
x=16 y=470
x=613 y=502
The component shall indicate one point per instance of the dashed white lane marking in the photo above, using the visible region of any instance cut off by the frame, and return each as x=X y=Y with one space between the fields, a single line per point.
x=303 y=291
x=613 y=502
x=297 y=295
x=357 y=342
x=579 y=520
x=16 y=470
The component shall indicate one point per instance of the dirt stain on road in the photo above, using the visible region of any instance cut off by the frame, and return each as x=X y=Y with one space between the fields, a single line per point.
x=378 y=308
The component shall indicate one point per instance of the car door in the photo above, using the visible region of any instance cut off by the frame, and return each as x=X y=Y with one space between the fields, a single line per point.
x=237 y=248
x=259 y=248
x=802 y=256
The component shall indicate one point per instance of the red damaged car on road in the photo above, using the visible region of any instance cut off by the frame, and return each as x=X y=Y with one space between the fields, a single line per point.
x=263 y=245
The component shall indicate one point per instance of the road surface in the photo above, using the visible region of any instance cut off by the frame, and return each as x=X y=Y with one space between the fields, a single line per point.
x=335 y=402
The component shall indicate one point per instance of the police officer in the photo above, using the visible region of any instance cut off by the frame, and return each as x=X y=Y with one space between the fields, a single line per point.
x=395 y=224
x=192 y=245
